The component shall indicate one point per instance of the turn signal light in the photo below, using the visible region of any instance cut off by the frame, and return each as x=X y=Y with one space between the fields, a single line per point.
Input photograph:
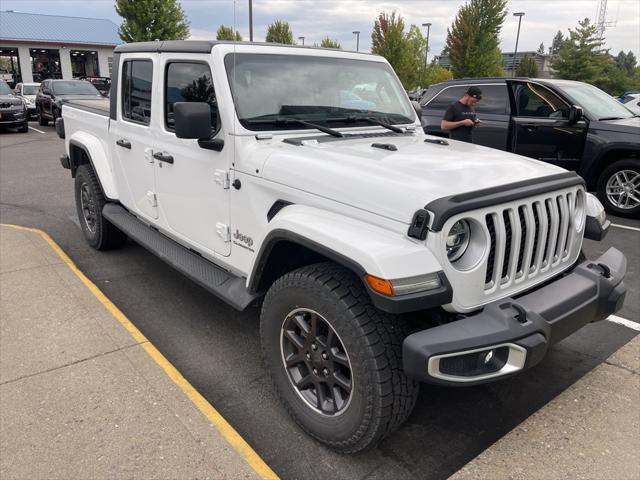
x=380 y=285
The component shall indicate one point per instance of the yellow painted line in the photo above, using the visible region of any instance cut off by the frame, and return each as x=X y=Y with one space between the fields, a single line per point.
x=227 y=431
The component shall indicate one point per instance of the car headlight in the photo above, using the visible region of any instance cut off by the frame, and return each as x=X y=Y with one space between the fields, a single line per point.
x=458 y=240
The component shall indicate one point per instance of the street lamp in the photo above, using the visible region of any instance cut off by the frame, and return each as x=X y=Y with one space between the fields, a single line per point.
x=426 y=53
x=251 y=20
x=515 y=54
x=301 y=38
x=357 y=34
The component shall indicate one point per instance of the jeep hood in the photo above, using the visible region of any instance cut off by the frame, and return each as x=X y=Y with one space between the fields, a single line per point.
x=394 y=184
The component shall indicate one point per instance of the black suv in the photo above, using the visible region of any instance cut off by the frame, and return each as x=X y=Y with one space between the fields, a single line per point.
x=13 y=111
x=53 y=93
x=571 y=124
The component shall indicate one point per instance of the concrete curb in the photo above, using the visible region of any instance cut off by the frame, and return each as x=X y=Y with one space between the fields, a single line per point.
x=83 y=394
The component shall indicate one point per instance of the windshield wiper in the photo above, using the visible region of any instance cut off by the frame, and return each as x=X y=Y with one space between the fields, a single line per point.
x=610 y=118
x=285 y=121
x=362 y=118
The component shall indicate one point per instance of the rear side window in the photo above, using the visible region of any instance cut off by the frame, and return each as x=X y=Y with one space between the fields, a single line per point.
x=446 y=97
x=137 y=78
x=533 y=100
x=495 y=99
x=189 y=82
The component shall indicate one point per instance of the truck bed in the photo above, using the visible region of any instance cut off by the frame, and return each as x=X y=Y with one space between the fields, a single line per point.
x=99 y=106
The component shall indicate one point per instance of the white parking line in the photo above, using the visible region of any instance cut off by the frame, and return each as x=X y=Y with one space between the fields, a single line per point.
x=625 y=322
x=44 y=133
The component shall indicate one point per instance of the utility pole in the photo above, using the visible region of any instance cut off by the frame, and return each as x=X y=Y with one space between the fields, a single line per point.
x=251 y=20
x=515 y=54
x=357 y=34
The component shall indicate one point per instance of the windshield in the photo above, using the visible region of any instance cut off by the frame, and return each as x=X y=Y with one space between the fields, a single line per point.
x=269 y=90
x=74 y=87
x=595 y=102
x=30 y=89
x=4 y=88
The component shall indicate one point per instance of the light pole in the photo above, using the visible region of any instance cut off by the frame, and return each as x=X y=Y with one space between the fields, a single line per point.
x=251 y=20
x=515 y=54
x=357 y=34
x=426 y=53
x=301 y=38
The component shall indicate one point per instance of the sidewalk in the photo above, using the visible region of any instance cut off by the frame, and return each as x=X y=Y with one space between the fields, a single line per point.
x=590 y=431
x=84 y=395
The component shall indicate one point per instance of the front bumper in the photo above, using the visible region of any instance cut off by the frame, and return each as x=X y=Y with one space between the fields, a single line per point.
x=10 y=118
x=514 y=334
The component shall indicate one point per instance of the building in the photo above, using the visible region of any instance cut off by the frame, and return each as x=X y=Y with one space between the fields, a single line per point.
x=511 y=62
x=34 y=46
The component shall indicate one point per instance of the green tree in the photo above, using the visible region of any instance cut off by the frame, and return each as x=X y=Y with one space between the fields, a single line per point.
x=527 y=67
x=148 y=20
x=329 y=43
x=581 y=56
x=403 y=50
x=227 y=33
x=626 y=62
x=556 y=43
x=436 y=74
x=541 y=49
x=280 y=32
x=473 y=39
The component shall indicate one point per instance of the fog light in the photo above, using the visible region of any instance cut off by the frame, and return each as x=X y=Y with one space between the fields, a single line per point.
x=476 y=363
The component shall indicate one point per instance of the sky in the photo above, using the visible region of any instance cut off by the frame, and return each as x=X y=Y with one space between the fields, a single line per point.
x=315 y=19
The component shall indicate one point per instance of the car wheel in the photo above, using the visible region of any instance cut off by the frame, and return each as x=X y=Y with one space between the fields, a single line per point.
x=334 y=359
x=41 y=120
x=24 y=128
x=619 y=188
x=99 y=232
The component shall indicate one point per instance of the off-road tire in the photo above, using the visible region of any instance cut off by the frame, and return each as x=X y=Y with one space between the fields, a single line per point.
x=103 y=235
x=628 y=164
x=382 y=395
x=41 y=120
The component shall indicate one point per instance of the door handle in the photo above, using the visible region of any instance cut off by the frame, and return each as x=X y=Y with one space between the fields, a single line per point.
x=162 y=157
x=124 y=143
x=531 y=128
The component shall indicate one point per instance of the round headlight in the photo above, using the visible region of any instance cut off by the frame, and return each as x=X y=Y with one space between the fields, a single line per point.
x=458 y=240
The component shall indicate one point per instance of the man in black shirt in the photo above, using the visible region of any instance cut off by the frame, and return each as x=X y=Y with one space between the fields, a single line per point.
x=460 y=118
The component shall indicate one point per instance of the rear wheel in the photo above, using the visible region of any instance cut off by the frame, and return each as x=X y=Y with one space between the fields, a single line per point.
x=100 y=234
x=619 y=188
x=334 y=359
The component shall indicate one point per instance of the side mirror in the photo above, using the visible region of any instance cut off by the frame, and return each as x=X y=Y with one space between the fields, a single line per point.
x=418 y=108
x=192 y=120
x=575 y=114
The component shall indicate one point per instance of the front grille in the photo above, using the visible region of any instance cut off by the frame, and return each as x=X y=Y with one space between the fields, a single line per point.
x=528 y=239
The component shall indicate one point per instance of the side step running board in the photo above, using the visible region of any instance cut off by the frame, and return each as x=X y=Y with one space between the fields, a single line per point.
x=221 y=283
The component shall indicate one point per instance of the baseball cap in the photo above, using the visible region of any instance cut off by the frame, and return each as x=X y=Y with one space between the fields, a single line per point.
x=475 y=92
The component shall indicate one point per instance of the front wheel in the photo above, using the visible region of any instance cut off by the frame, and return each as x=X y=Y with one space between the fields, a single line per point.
x=99 y=233
x=619 y=188
x=41 y=120
x=24 y=128
x=335 y=360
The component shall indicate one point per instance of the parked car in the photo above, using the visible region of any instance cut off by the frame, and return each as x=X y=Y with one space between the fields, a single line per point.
x=626 y=95
x=28 y=92
x=570 y=124
x=54 y=93
x=102 y=84
x=338 y=222
x=633 y=103
x=13 y=111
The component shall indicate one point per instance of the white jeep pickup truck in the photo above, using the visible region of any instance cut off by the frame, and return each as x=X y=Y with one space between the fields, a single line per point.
x=299 y=179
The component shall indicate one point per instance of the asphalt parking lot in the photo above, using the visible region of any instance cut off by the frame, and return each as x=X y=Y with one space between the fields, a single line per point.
x=217 y=348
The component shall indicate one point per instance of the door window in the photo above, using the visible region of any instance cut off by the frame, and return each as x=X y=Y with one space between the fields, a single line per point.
x=447 y=97
x=495 y=99
x=137 y=83
x=189 y=82
x=536 y=101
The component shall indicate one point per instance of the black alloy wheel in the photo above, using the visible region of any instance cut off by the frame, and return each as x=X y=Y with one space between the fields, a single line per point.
x=316 y=361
